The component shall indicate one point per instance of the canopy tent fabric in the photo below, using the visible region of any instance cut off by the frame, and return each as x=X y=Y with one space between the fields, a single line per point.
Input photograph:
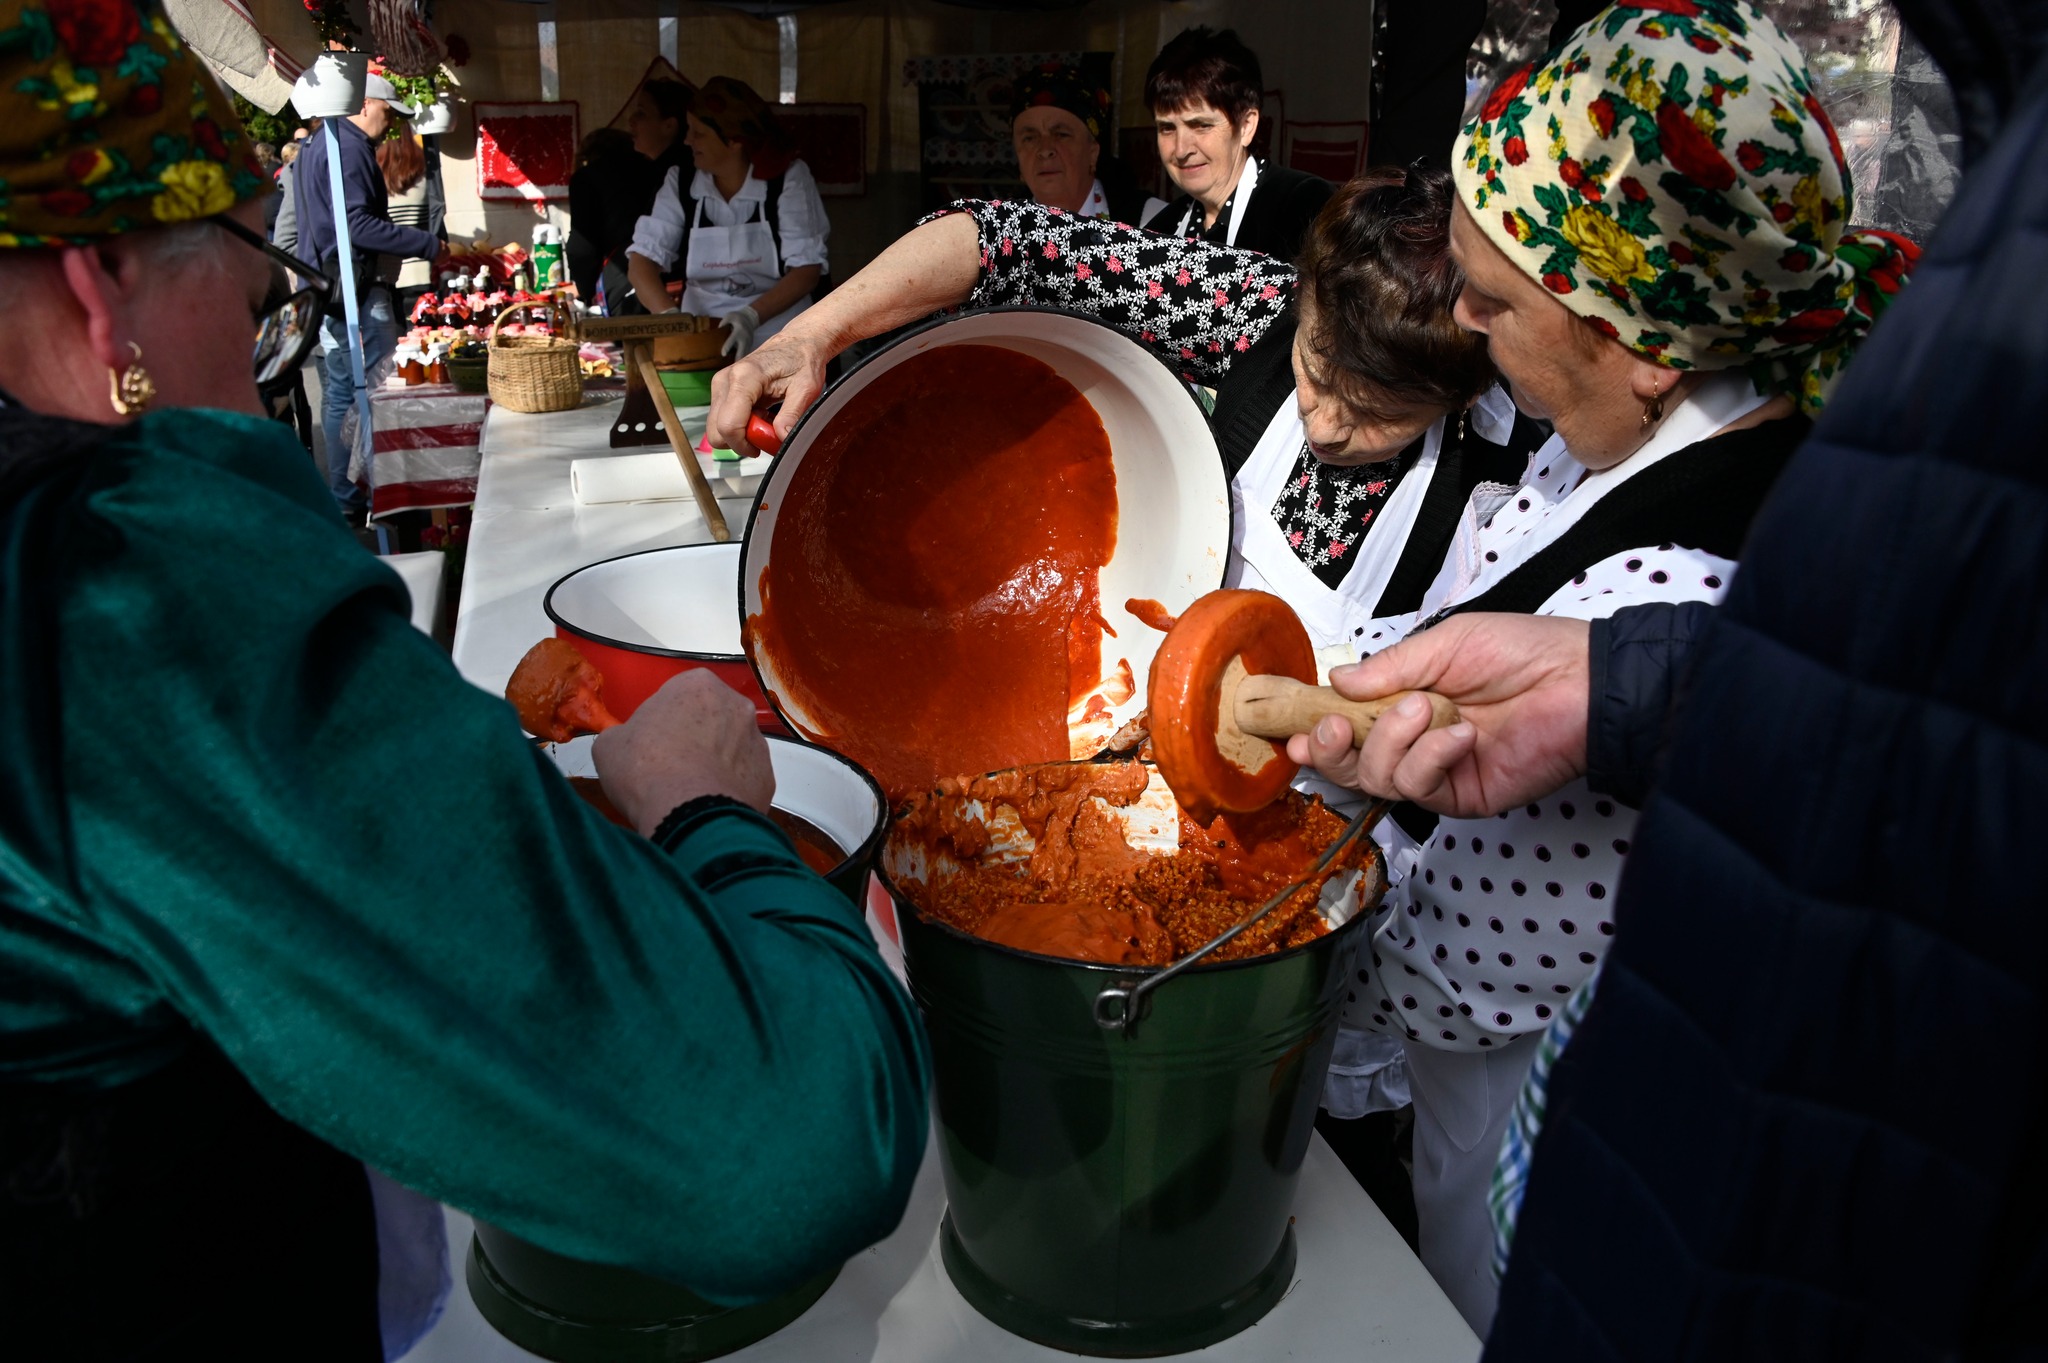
x=226 y=37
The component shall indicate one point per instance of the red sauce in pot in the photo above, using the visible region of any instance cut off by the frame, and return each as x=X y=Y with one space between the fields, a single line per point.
x=932 y=604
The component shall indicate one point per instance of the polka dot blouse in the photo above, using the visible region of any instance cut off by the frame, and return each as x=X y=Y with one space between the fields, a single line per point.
x=1494 y=922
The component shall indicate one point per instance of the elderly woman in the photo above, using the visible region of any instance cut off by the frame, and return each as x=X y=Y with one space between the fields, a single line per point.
x=747 y=237
x=1057 y=121
x=237 y=965
x=1352 y=431
x=1652 y=223
x=1204 y=91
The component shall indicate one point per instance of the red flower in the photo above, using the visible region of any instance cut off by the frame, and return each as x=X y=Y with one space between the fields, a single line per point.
x=1186 y=354
x=1815 y=324
x=1751 y=155
x=68 y=203
x=207 y=134
x=143 y=100
x=1604 y=327
x=1682 y=253
x=1006 y=245
x=1603 y=114
x=1222 y=299
x=1704 y=43
x=1115 y=266
x=81 y=164
x=1082 y=271
x=1337 y=548
x=1375 y=488
x=1782 y=211
x=1797 y=259
x=1182 y=278
x=1269 y=292
x=1557 y=283
x=96 y=31
x=1504 y=93
x=1571 y=172
x=1052 y=251
x=1515 y=150
x=1244 y=343
x=1682 y=7
x=1153 y=288
x=1633 y=190
x=1690 y=150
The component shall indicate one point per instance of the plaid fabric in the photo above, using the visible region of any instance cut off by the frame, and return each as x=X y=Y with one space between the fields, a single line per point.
x=1517 y=1147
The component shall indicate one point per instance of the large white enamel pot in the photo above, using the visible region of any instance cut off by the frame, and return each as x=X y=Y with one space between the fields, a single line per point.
x=1174 y=515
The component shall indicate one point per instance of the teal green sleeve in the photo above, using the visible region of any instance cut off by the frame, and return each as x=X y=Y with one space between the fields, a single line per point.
x=349 y=868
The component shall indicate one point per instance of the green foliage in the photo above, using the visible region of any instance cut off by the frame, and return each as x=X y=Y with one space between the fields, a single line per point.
x=276 y=129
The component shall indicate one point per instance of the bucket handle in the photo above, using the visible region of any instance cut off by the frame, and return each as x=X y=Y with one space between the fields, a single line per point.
x=1121 y=1006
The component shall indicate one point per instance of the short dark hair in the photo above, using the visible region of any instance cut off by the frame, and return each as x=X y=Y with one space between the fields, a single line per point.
x=1203 y=66
x=1376 y=269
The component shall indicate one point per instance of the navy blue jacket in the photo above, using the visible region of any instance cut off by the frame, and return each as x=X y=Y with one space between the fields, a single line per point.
x=371 y=231
x=1831 y=1141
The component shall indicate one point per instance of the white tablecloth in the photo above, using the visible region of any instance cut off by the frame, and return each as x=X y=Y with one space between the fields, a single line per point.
x=1359 y=1294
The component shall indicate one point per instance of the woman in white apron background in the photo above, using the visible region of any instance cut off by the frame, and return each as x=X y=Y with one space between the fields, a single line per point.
x=1675 y=379
x=1204 y=90
x=747 y=240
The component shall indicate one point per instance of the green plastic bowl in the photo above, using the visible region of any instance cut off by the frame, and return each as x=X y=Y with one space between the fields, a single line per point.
x=691 y=388
x=470 y=376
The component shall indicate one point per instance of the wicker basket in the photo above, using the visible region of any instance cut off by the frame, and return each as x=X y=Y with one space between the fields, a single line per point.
x=534 y=373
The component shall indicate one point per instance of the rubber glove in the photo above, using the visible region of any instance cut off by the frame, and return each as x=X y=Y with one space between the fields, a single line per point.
x=744 y=323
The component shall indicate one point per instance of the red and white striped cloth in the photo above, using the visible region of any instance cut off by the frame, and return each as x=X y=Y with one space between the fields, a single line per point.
x=426 y=446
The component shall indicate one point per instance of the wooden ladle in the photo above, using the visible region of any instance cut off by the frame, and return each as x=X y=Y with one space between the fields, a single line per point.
x=558 y=694
x=1234 y=679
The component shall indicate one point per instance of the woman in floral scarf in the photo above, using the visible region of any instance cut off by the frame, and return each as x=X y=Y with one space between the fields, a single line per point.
x=1653 y=221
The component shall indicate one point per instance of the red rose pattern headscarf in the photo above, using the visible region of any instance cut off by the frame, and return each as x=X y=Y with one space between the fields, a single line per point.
x=116 y=126
x=1669 y=176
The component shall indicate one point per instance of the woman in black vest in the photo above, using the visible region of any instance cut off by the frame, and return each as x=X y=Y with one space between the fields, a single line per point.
x=1661 y=265
x=1204 y=90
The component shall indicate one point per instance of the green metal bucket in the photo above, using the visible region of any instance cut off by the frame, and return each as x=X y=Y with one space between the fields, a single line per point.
x=1121 y=1194
x=579 y=1312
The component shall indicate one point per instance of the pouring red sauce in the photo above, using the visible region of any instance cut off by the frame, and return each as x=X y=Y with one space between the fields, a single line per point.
x=932 y=604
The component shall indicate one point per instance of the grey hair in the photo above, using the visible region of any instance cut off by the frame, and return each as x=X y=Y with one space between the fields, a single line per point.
x=182 y=244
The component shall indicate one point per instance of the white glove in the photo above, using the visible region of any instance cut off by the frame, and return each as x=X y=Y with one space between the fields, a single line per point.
x=744 y=323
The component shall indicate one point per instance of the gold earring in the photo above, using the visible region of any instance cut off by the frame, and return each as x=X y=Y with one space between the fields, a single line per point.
x=132 y=389
x=1653 y=411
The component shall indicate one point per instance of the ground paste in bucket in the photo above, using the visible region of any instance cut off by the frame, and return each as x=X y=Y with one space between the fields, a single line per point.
x=932 y=602
x=1086 y=894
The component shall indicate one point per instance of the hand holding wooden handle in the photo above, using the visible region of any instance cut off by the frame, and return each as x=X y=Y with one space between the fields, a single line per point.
x=1280 y=707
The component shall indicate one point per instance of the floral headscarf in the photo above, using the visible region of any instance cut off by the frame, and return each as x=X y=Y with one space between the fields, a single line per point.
x=1062 y=87
x=115 y=126
x=1669 y=176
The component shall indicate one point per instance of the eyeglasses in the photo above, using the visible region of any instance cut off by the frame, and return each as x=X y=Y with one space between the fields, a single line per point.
x=288 y=327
